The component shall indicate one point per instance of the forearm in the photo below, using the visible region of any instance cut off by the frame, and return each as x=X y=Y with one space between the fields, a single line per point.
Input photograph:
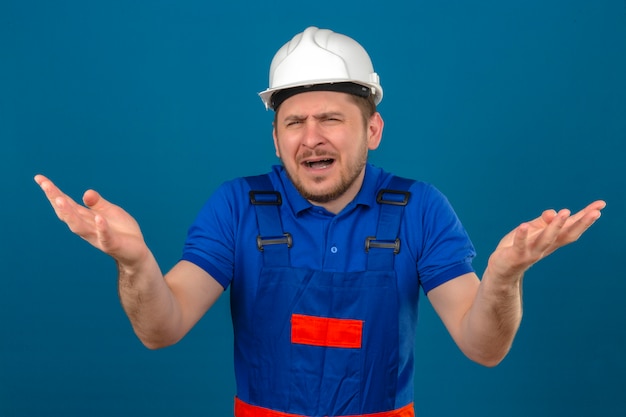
x=484 y=316
x=149 y=303
x=493 y=319
x=161 y=310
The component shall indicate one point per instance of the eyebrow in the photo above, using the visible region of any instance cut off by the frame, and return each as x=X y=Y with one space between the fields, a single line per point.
x=327 y=115
x=320 y=116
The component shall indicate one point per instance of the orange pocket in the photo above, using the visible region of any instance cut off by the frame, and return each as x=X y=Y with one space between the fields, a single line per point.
x=327 y=332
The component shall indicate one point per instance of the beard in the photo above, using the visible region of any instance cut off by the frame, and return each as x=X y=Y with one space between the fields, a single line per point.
x=346 y=180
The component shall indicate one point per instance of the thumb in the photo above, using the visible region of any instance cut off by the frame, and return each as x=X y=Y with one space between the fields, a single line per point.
x=102 y=232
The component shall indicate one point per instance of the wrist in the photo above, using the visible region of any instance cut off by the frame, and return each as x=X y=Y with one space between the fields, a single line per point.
x=502 y=280
x=138 y=264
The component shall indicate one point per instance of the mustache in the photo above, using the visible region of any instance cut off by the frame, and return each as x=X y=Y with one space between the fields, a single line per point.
x=321 y=154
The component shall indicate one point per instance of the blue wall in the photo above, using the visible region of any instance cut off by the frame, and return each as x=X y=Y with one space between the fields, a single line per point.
x=508 y=107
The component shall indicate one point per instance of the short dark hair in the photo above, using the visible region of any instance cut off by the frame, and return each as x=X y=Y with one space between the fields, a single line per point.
x=366 y=104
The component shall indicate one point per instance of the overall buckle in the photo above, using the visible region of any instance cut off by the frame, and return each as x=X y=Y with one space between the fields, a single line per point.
x=261 y=241
x=371 y=242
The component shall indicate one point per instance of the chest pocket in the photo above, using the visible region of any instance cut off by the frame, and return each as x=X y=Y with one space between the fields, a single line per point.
x=325 y=343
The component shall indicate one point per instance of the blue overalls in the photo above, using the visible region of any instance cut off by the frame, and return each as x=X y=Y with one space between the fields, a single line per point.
x=325 y=343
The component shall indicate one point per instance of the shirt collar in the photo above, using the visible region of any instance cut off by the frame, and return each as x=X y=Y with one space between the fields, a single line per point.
x=367 y=193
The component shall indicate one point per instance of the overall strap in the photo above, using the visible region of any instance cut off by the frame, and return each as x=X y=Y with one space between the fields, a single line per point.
x=271 y=241
x=382 y=248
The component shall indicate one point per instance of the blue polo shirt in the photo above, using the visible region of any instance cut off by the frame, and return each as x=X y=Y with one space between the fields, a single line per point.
x=434 y=245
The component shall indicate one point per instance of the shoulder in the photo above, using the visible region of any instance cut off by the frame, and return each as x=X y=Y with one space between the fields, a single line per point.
x=420 y=192
x=229 y=199
x=238 y=189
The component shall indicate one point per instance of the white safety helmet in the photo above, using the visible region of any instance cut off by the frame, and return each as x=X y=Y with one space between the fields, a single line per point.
x=320 y=59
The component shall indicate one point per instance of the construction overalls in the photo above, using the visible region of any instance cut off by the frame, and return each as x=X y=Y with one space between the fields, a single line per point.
x=326 y=343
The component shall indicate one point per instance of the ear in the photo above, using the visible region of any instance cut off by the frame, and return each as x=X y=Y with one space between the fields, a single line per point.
x=275 y=140
x=375 y=131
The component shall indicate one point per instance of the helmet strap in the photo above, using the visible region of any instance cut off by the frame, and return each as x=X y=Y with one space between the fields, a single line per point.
x=341 y=87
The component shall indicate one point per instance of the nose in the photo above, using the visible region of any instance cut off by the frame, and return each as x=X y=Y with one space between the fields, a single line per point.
x=311 y=134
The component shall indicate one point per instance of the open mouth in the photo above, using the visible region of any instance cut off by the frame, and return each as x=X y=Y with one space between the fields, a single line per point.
x=319 y=163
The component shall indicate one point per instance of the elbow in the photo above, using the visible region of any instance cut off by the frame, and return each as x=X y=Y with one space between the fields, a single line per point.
x=151 y=345
x=488 y=359
x=156 y=342
x=489 y=362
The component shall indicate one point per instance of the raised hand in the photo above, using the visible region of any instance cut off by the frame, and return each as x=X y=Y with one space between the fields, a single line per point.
x=534 y=240
x=104 y=225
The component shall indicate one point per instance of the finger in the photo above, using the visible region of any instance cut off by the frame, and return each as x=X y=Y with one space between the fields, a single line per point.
x=96 y=202
x=582 y=221
x=50 y=190
x=91 y=198
x=592 y=209
x=62 y=204
x=548 y=215
x=78 y=218
x=40 y=178
x=597 y=205
x=545 y=240
x=578 y=223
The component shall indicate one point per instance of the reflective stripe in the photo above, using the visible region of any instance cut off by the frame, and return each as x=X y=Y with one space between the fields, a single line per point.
x=243 y=409
x=327 y=332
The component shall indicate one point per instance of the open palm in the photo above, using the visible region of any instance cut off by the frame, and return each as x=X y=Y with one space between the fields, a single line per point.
x=538 y=238
x=103 y=224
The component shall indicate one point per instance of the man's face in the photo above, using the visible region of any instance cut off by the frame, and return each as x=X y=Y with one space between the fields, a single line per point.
x=323 y=141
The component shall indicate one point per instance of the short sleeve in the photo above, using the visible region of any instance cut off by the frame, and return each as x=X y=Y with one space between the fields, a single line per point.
x=446 y=250
x=210 y=242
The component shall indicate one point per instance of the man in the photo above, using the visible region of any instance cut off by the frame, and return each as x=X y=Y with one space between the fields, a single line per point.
x=325 y=255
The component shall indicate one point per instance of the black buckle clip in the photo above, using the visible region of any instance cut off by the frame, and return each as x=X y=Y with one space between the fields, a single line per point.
x=263 y=198
x=380 y=198
x=286 y=239
x=371 y=242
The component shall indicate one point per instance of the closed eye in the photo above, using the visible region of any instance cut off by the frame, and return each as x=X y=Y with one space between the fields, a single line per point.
x=331 y=121
x=331 y=118
x=294 y=121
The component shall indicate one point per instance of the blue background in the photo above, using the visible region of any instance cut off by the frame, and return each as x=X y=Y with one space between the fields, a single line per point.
x=508 y=107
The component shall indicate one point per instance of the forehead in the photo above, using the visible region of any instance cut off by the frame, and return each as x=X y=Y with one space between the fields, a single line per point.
x=313 y=102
